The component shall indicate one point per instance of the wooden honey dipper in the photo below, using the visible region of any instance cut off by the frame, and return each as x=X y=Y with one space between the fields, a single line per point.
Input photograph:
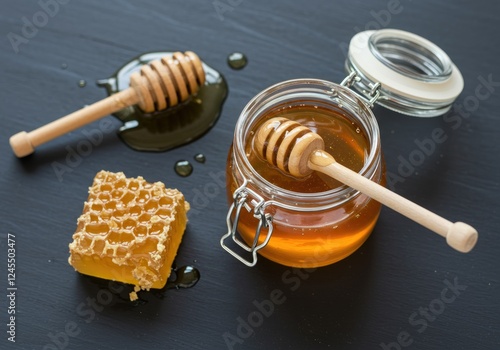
x=297 y=150
x=160 y=84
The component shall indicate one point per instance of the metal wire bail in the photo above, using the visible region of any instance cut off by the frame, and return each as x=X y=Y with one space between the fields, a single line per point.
x=244 y=197
x=369 y=97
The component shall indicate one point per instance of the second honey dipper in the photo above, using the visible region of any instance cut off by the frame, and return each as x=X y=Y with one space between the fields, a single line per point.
x=161 y=84
x=296 y=150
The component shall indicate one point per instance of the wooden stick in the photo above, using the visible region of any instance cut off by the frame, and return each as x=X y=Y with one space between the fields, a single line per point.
x=280 y=137
x=24 y=143
x=159 y=85
x=458 y=235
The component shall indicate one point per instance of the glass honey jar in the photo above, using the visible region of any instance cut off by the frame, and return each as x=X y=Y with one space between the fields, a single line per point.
x=316 y=221
x=313 y=221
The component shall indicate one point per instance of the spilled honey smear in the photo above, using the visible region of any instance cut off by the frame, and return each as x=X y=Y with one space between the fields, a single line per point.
x=173 y=127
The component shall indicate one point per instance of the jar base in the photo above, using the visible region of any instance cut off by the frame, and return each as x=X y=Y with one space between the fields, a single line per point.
x=321 y=251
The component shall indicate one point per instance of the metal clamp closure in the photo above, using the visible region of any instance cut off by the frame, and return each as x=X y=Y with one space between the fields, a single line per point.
x=245 y=197
x=369 y=97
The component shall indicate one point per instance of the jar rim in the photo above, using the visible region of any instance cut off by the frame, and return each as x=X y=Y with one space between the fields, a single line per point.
x=420 y=60
x=320 y=90
x=417 y=77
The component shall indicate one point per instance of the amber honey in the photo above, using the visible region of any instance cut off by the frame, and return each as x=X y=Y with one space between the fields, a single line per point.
x=343 y=140
x=316 y=220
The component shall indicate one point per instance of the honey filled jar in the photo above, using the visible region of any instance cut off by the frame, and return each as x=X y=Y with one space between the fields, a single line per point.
x=315 y=221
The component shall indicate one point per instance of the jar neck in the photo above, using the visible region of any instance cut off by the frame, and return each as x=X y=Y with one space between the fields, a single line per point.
x=313 y=92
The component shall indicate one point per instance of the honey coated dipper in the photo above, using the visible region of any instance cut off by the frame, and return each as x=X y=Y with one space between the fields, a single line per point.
x=297 y=150
x=160 y=84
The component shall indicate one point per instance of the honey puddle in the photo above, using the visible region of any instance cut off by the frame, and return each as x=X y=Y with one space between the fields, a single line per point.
x=173 y=127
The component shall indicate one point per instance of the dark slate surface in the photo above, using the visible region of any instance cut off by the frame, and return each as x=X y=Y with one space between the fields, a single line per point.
x=362 y=302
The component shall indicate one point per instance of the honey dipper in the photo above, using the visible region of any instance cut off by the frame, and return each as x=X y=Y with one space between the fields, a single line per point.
x=160 y=84
x=299 y=151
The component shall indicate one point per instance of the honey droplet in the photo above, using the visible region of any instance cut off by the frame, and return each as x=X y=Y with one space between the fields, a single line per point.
x=185 y=277
x=183 y=168
x=82 y=83
x=200 y=158
x=237 y=60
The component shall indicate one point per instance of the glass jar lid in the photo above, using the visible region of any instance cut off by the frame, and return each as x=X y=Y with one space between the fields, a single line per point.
x=410 y=74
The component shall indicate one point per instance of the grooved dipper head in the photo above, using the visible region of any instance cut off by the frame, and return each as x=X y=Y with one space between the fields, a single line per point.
x=169 y=81
x=287 y=145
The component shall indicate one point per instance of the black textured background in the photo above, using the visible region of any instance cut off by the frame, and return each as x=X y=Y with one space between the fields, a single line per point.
x=358 y=303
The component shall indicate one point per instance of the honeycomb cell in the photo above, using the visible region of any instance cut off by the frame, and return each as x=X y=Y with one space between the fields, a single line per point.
x=98 y=247
x=97 y=207
x=116 y=194
x=143 y=196
x=129 y=224
x=129 y=230
x=119 y=238
x=135 y=210
x=133 y=185
x=104 y=197
x=120 y=183
x=166 y=202
x=163 y=213
x=97 y=229
x=121 y=252
x=156 y=228
x=141 y=231
x=85 y=242
x=144 y=218
x=151 y=206
x=106 y=188
x=118 y=213
x=106 y=215
x=110 y=205
x=128 y=197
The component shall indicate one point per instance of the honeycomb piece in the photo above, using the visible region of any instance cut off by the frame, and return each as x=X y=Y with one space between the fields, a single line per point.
x=129 y=231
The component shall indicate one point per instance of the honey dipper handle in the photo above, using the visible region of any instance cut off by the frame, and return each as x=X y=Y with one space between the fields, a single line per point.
x=24 y=143
x=459 y=235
